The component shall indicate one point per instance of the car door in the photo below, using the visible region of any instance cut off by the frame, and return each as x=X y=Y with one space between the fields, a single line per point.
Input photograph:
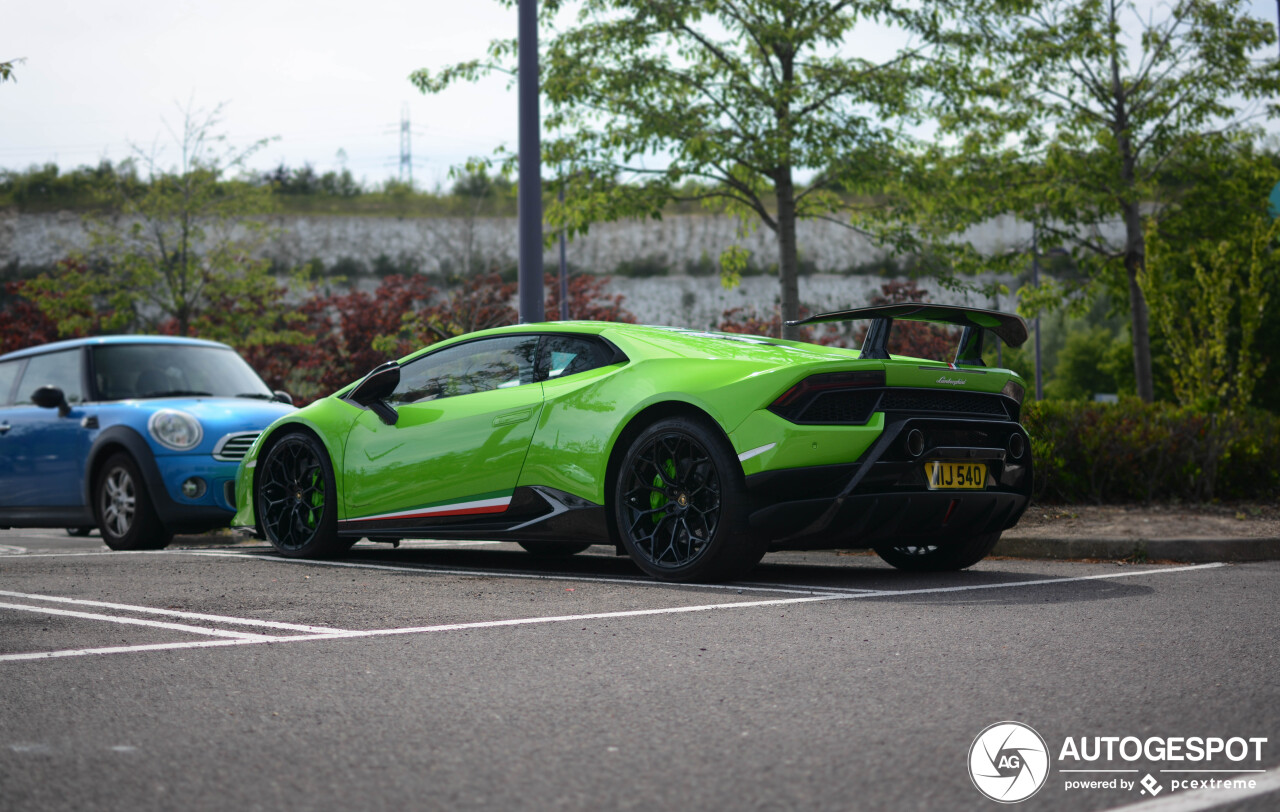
x=466 y=414
x=44 y=452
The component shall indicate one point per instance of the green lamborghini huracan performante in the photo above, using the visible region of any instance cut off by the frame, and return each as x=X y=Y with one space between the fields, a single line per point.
x=694 y=453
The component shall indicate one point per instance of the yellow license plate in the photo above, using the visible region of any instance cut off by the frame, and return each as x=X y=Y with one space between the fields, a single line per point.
x=969 y=476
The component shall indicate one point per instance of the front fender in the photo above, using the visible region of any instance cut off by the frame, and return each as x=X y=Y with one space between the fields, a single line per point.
x=329 y=419
x=113 y=439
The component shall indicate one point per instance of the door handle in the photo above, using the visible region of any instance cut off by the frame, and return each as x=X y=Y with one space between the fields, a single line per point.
x=4 y=428
x=517 y=416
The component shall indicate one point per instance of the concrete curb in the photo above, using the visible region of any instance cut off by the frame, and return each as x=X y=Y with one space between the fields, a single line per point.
x=1191 y=550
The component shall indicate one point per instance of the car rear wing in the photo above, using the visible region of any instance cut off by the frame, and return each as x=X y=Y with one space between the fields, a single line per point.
x=1008 y=327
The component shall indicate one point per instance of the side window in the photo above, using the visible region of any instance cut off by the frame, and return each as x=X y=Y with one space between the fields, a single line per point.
x=476 y=366
x=8 y=375
x=60 y=369
x=569 y=355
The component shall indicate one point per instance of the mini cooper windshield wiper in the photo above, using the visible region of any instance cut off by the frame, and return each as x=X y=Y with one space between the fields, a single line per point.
x=255 y=396
x=173 y=393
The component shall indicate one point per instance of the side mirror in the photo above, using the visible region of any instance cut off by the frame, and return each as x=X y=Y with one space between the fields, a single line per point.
x=374 y=390
x=282 y=396
x=51 y=397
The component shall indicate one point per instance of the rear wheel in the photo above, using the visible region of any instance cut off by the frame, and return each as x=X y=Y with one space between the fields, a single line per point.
x=554 y=549
x=296 y=499
x=679 y=504
x=930 y=558
x=123 y=507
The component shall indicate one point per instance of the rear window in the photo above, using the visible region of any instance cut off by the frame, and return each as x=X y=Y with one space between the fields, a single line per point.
x=568 y=355
x=8 y=376
x=60 y=369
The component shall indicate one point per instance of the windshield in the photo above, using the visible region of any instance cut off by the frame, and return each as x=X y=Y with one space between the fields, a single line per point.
x=125 y=371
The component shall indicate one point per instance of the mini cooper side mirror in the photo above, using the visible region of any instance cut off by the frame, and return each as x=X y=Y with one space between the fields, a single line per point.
x=374 y=390
x=51 y=397
x=282 y=396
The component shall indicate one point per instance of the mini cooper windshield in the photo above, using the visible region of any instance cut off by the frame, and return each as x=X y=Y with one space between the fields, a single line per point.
x=128 y=371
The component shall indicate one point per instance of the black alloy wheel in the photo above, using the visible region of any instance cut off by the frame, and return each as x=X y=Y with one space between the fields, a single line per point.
x=945 y=558
x=680 y=504
x=296 y=499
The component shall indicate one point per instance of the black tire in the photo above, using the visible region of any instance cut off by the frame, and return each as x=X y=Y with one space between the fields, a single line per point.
x=123 y=507
x=928 y=558
x=554 y=549
x=79 y=531
x=680 y=505
x=296 y=499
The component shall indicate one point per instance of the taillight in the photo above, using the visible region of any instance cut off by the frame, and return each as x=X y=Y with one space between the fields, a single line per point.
x=824 y=382
x=1013 y=390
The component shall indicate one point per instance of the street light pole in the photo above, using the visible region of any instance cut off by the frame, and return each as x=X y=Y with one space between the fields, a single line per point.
x=565 y=265
x=1035 y=283
x=530 y=178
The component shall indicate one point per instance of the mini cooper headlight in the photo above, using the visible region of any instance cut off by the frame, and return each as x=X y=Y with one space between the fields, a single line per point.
x=174 y=429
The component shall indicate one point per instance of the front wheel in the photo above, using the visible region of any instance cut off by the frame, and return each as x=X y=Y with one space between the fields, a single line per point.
x=296 y=499
x=930 y=558
x=123 y=508
x=679 y=504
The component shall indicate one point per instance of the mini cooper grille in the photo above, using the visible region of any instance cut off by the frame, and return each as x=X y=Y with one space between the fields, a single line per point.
x=233 y=447
x=855 y=406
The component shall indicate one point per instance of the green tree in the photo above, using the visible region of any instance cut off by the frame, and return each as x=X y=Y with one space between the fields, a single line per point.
x=6 y=70
x=1093 y=104
x=1091 y=361
x=178 y=253
x=1210 y=321
x=767 y=108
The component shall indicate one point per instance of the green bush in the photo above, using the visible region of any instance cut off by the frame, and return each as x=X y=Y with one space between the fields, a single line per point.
x=1136 y=452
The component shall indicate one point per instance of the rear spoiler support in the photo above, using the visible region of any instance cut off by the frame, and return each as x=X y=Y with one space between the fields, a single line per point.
x=1008 y=327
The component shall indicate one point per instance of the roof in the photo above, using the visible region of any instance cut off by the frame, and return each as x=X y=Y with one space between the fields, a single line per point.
x=73 y=343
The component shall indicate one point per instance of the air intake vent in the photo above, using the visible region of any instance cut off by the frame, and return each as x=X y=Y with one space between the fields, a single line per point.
x=233 y=447
x=936 y=400
x=840 y=407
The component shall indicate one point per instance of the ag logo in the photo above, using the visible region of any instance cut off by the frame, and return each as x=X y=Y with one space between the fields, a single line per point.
x=1008 y=762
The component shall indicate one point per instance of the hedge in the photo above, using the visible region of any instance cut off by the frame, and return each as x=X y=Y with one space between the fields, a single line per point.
x=1138 y=452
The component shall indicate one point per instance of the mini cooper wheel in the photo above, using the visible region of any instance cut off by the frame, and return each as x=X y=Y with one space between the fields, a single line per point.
x=931 y=558
x=680 y=504
x=296 y=499
x=123 y=508
x=554 y=549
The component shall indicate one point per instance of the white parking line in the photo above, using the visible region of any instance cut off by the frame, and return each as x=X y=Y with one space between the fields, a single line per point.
x=1196 y=800
x=892 y=593
x=236 y=621
x=137 y=621
x=486 y=624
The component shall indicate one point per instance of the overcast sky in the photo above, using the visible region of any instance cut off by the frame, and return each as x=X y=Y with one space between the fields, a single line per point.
x=320 y=75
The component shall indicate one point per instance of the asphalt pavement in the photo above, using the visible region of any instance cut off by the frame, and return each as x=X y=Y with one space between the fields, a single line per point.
x=476 y=676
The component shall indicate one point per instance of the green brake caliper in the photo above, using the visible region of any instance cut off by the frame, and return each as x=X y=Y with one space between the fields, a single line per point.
x=657 y=500
x=317 y=499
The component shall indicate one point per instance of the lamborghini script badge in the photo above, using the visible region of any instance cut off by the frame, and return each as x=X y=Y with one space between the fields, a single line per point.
x=951 y=381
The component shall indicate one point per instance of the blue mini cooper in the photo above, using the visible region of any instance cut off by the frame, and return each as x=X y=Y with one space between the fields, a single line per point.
x=139 y=436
